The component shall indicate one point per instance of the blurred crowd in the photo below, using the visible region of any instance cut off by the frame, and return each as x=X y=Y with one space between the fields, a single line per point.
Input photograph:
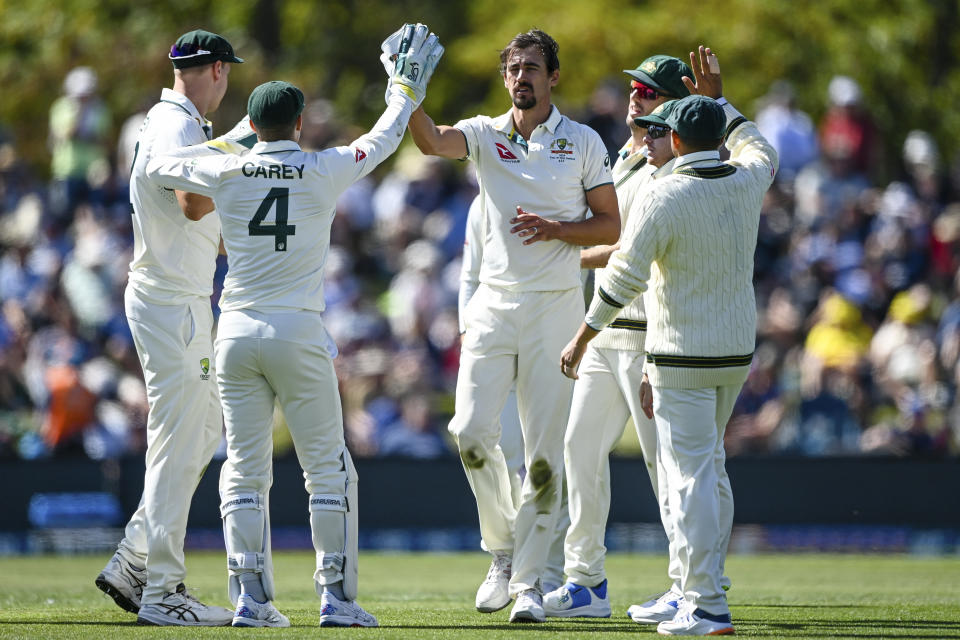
x=857 y=281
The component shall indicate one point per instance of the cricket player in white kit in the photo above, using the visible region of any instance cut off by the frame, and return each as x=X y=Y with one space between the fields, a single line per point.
x=168 y=308
x=693 y=238
x=538 y=173
x=511 y=434
x=276 y=205
x=606 y=392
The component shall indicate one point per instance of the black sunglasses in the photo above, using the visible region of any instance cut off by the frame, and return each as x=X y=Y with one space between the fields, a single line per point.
x=656 y=131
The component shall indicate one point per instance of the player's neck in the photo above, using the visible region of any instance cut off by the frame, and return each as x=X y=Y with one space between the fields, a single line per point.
x=194 y=93
x=526 y=120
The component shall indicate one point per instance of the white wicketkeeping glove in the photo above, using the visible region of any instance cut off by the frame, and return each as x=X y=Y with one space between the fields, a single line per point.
x=417 y=54
x=238 y=140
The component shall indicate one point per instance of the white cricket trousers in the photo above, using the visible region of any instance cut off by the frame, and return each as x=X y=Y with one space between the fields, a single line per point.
x=691 y=459
x=251 y=373
x=175 y=347
x=605 y=395
x=516 y=336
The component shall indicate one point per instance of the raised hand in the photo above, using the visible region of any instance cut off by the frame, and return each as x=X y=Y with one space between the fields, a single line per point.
x=418 y=53
x=706 y=72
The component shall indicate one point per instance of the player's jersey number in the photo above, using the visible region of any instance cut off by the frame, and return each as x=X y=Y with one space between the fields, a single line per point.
x=280 y=230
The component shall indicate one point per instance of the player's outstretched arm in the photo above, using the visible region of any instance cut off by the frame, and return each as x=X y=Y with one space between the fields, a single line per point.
x=436 y=140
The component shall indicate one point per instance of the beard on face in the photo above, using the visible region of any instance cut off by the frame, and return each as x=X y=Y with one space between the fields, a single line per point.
x=527 y=101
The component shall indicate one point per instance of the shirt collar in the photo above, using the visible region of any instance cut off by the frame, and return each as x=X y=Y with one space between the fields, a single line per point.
x=504 y=123
x=275 y=146
x=696 y=156
x=182 y=101
x=665 y=169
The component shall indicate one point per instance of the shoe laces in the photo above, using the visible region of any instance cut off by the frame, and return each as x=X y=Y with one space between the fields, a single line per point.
x=189 y=597
x=500 y=566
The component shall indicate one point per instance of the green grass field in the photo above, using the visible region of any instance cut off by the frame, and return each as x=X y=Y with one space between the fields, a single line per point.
x=431 y=596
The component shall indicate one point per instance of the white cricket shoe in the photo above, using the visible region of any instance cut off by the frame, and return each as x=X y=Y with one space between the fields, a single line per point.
x=181 y=609
x=528 y=607
x=494 y=592
x=663 y=607
x=343 y=613
x=691 y=621
x=123 y=582
x=251 y=613
x=576 y=601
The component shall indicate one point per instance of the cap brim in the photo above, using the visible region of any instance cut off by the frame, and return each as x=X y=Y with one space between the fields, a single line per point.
x=233 y=59
x=637 y=74
x=643 y=121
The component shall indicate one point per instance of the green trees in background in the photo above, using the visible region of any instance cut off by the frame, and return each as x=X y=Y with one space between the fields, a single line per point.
x=904 y=53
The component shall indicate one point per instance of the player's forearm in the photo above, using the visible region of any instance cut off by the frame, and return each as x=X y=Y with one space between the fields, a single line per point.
x=434 y=140
x=385 y=136
x=598 y=230
x=597 y=257
x=194 y=206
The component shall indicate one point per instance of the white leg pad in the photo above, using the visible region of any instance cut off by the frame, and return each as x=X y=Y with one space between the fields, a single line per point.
x=246 y=534
x=333 y=520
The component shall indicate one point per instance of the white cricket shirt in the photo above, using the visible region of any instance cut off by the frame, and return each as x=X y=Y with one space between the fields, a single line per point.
x=548 y=175
x=276 y=205
x=173 y=258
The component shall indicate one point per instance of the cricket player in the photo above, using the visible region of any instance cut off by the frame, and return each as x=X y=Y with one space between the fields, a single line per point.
x=511 y=435
x=606 y=392
x=276 y=205
x=538 y=173
x=691 y=241
x=167 y=303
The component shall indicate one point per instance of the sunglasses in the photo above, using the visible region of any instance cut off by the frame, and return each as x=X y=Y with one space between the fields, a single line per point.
x=190 y=49
x=644 y=91
x=655 y=131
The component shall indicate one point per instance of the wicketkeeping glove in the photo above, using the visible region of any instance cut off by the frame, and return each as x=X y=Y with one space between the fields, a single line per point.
x=417 y=54
x=238 y=140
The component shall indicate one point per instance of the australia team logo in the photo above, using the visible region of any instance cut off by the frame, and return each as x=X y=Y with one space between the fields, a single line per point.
x=505 y=154
x=205 y=368
x=561 y=149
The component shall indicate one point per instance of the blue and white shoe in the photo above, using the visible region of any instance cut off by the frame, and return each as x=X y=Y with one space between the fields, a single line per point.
x=251 y=613
x=343 y=613
x=691 y=621
x=663 y=607
x=576 y=601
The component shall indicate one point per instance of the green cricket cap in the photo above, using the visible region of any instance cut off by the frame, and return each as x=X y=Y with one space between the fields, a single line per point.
x=664 y=74
x=697 y=118
x=275 y=104
x=657 y=116
x=200 y=47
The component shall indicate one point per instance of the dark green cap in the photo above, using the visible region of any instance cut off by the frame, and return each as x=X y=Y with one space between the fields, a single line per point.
x=657 y=116
x=697 y=118
x=275 y=104
x=663 y=73
x=201 y=47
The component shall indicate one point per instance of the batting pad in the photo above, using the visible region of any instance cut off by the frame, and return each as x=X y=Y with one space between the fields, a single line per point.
x=246 y=534
x=334 y=524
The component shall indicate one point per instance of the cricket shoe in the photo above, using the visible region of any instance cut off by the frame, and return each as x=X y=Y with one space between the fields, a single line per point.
x=494 y=592
x=691 y=621
x=251 y=613
x=343 y=613
x=123 y=582
x=181 y=609
x=661 y=608
x=576 y=601
x=528 y=607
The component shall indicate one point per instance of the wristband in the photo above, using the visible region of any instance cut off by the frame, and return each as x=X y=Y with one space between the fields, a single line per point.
x=722 y=101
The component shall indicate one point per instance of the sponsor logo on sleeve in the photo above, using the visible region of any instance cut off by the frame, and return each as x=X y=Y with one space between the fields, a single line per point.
x=359 y=155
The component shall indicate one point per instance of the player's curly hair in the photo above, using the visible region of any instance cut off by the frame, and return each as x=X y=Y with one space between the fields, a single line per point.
x=533 y=38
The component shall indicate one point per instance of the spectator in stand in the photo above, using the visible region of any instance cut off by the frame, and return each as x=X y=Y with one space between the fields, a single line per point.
x=79 y=129
x=789 y=130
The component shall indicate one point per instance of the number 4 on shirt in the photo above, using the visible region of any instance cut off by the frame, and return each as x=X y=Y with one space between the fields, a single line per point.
x=281 y=229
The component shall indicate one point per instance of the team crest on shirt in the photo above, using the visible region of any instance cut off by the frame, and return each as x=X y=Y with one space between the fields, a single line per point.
x=205 y=368
x=561 y=150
